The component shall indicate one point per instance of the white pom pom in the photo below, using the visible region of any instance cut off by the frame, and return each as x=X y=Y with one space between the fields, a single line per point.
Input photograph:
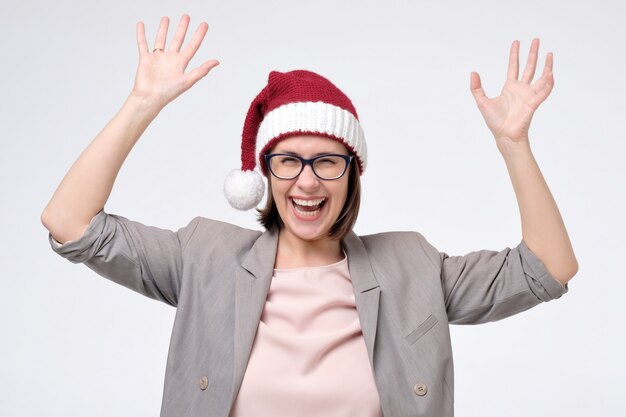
x=244 y=189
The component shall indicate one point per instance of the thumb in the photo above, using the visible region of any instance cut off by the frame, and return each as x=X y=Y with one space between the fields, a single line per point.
x=199 y=72
x=476 y=87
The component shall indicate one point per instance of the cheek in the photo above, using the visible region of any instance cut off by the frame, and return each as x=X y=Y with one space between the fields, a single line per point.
x=341 y=195
x=279 y=189
x=275 y=188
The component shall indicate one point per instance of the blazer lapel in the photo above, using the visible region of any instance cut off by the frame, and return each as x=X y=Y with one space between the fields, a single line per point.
x=366 y=290
x=253 y=278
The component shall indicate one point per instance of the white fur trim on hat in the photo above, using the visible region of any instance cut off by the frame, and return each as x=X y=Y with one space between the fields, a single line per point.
x=244 y=189
x=313 y=117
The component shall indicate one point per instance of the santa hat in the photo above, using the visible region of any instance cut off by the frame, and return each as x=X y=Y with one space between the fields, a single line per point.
x=293 y=103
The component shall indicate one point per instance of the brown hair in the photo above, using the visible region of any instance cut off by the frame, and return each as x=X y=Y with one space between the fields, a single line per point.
x=269 y=217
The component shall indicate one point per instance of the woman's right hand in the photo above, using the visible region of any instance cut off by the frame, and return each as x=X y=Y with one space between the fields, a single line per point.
x=161 y=73
x=160 y=78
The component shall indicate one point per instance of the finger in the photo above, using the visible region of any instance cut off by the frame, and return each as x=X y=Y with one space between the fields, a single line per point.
x=194 y=43
x=546 y=75
x=543 y=86
x=542 y=92
x=513 y=71
x=141 y=38
x=179 y=36
x=531 y=63
x=476 y=88
x=547 y=68
x=159 y=43
x=200 y=72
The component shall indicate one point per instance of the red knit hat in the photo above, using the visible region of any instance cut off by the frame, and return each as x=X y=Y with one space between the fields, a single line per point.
x=293 y=103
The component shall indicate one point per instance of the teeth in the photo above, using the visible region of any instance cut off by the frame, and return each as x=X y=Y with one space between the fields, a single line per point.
x=309 y=203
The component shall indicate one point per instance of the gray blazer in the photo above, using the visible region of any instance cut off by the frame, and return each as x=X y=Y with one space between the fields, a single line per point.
x=218 y=276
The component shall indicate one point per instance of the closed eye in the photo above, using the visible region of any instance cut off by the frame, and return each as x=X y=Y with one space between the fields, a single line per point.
x=327 y=160
x=288 y=160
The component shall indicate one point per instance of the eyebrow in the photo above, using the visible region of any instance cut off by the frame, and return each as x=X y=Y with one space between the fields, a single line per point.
x=317 y=154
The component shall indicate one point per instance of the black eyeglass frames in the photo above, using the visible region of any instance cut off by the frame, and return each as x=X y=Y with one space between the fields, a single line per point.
x=325 y=167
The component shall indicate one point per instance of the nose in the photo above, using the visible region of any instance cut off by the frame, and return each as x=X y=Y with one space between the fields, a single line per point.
x=307 y=179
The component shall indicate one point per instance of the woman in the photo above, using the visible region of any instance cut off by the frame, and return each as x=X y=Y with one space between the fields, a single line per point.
x=308 y=318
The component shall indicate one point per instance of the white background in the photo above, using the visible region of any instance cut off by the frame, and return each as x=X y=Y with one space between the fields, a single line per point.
x=75 y=344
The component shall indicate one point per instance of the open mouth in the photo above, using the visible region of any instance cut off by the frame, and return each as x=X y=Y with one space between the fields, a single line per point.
x=308 y=207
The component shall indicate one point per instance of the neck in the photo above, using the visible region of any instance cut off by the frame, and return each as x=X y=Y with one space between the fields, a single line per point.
x=293 y=252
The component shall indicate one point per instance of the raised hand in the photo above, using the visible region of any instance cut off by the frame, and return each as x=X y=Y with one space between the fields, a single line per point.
x=161 y=73
x=508 y=116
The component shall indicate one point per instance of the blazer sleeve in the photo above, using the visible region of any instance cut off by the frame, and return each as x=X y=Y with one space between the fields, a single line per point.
x=143 y=258
x=488 y=285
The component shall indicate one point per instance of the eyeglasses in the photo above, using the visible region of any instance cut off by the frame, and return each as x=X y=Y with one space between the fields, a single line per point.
x=325 y=167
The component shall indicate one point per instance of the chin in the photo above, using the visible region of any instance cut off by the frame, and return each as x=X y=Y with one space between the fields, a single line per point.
x=309 y=234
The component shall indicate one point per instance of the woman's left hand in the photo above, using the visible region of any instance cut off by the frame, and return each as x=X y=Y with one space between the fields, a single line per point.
x=508 y=116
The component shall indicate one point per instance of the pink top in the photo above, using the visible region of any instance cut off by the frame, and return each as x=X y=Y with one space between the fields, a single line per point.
x=309 y=356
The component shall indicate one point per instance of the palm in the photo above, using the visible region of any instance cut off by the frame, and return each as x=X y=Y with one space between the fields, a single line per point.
x=161 y=74
x=508 y=116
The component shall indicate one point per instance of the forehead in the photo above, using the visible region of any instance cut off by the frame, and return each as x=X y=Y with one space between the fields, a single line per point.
x=309 y=145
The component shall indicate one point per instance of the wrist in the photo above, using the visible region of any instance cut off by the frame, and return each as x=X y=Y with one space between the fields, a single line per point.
x=143 y=104
x=513 y=148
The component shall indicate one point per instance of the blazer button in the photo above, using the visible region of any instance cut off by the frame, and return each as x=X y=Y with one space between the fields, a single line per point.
x=420 y=389
x=204 y=383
